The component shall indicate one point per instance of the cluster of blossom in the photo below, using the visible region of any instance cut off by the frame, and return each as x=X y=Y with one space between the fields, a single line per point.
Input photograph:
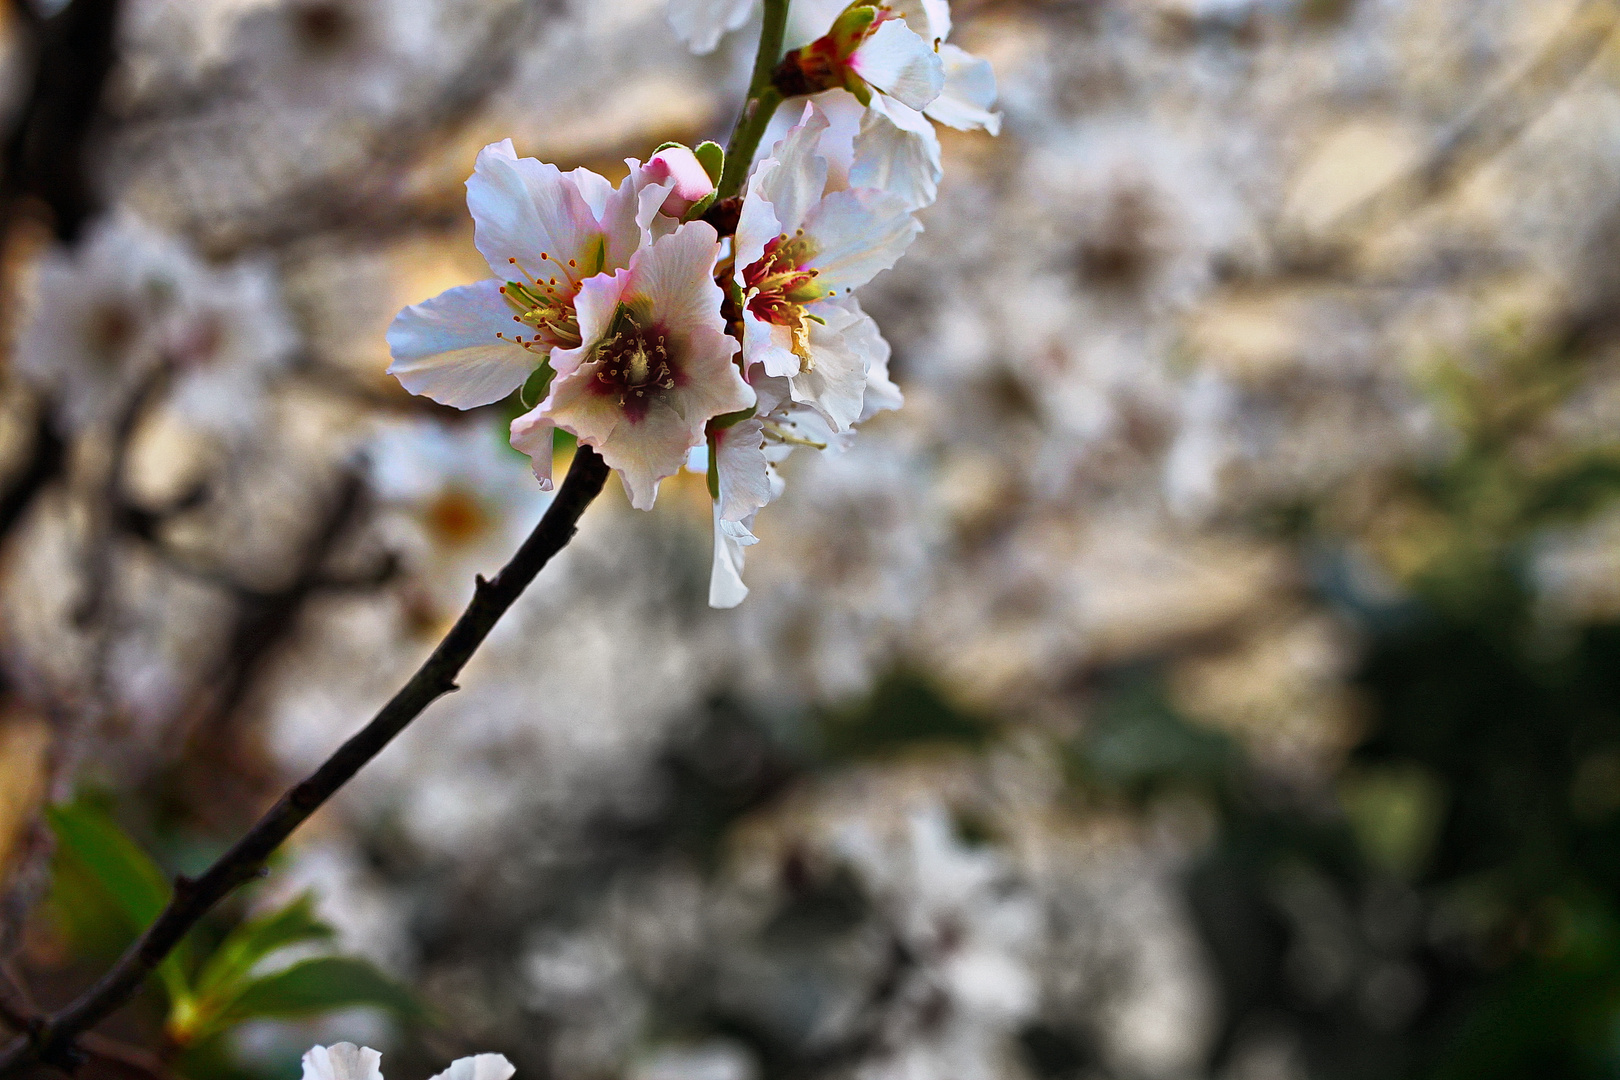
x=626 y=318
x=131 y=305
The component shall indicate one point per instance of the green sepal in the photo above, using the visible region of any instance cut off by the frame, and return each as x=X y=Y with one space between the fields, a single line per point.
x=732 y=419
x=858 y=87
x=850 y=28
x=713 y=159
x=714 y=465
x=668 y=146
x=536 y=386
x=699 y=208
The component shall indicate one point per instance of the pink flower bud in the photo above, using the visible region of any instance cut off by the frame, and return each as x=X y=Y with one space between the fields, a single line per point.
x=692 y=183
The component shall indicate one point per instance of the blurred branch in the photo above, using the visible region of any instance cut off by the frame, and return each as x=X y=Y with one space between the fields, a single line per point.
x=125 y=1058
x=55 y=1039
x=45 y=460
x=72 y=54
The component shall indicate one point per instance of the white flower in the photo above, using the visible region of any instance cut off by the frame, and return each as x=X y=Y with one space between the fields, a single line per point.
x=800 y=254
x=543 y=232
x=346 y=1061
x=229 y=333
x=101 y=318
x=653 y=366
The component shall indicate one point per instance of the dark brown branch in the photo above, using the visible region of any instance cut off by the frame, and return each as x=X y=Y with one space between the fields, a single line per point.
x=55 y=1040
x=46 y=457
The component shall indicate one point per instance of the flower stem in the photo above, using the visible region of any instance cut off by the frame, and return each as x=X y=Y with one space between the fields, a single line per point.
x=52 y=1039
x=763 y=98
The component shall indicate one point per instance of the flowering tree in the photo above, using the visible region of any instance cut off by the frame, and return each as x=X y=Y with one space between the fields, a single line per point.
x=703 y=306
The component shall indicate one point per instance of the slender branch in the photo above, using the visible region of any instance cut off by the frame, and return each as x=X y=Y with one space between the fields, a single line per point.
x=53 y=1040
x=763 y=98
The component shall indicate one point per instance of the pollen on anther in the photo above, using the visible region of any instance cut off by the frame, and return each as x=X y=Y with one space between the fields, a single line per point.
x=571 y=262
x=513 y=261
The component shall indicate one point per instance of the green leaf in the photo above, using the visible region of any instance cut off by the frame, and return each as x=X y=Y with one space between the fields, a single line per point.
x=537 y=384
x=105 y=890
x=316 y=986
x=712 y=158
x=256 y=939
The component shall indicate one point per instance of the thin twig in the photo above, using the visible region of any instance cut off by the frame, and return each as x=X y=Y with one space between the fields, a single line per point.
x=54 y=1041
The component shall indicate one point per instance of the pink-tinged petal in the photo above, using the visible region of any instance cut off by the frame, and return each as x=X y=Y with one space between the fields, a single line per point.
x=692 y=183
x=898 y=62
x=834 y=381
x=532 y=435
x=897 y=151
x=768 y=346
x=642 y=452
x=970 y=90
x=524 y=209
x=745 y=482
x=630 y=219
x=726 y=588
x=446 y=349
x=857 y=234
x=675 y=276
x=594 y=188
x=702 y=23
x=800 y=176
x=757 y=225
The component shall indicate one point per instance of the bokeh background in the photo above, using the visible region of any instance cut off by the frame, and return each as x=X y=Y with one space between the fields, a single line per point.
x=1212 y=671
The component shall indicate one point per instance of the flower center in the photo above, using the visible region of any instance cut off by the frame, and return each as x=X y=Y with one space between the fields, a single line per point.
x=779 y=285
x=634 y=363
x=546 y=305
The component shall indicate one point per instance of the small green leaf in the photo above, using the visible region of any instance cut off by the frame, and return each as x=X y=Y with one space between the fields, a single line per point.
x=316 y=986
x=668 y=146
x=712 y=158
x=699 y=208
x=537 y=385
x=256 y=939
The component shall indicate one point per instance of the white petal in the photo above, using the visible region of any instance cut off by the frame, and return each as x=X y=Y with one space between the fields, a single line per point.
x=800 y=176
x=726 y=588
x=863 y=335
x=757 y=225
x=480 y=1067
x=901 y=64
x=446 y=349
x=676 y=276
x=768 y=345
x=808 y=20
x=897 y=151
x=701 y=23
x=858 y=233
x=834 y=381
x=594 y=305
x=342 y=1061
x=531 y=434
x=745 y=483
x=970 y=90
x=522 y=209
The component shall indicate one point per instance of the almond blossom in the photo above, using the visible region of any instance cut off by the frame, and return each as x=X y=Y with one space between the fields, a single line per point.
x=544 y=233
x=800 y=254
x=346 y=1061
x=652 y=367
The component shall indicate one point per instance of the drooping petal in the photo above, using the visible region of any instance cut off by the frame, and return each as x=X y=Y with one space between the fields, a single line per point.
x=642 y=452
x=531 y=434
x=898 y=62
x=702 y=23
x=726 y=588
x=897 y=151
x=800 y=176
x=479 y=1067
x=858 y=233
x=745 y=482
x=969 y=91
x=342 y=1061
x=446 y=348
x=533 y=212
x=863 y=336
